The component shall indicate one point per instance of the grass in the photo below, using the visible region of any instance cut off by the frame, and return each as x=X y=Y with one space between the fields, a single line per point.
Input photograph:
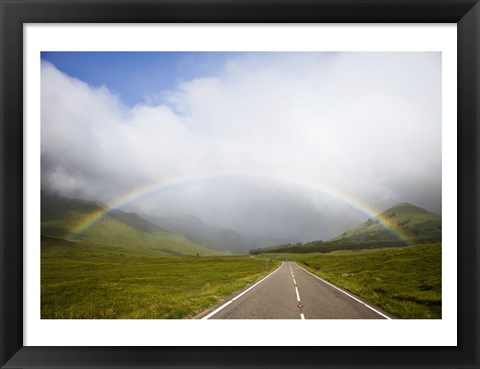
x=61 y=217
x=117 y=269
x=417 y=223
x=110 y=232
x=405 y=282
x=81 y=281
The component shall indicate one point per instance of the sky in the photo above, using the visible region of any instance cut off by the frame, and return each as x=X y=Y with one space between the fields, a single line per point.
x=290 y=146
x=138 y=77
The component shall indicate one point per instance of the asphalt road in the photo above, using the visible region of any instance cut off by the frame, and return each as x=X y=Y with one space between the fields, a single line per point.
x=291 y=292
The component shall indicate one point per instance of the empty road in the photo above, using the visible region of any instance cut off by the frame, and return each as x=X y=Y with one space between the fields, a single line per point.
x=291 y=292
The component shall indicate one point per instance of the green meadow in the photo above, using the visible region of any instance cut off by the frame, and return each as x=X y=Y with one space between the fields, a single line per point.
x=80 y=281
x=406 y=282
x=129 y=268
x=124 y=267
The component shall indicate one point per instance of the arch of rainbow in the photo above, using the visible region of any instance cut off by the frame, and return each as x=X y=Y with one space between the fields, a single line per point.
x=306 y=183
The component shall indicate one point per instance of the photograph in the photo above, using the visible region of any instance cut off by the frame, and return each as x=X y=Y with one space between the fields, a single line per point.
x=241 y=185
x=266 y=184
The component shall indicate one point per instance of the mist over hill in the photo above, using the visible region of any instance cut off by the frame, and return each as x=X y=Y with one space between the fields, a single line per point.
x=81 y=223
x=212 y=237
x=412 y=222
x=400 y=225
x=60 y=214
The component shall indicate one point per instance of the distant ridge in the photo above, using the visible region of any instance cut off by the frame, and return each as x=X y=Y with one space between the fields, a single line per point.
x=421 y=225
x=222 y=239
x=116 y=230
x=134 y=220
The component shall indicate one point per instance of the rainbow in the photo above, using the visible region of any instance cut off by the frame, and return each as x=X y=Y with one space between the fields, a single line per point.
x=298 y=181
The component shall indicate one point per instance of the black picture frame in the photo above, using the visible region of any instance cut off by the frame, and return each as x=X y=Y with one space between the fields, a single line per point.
x=15 y=13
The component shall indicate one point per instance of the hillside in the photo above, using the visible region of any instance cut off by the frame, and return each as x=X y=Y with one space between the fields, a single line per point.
x=136 y=221
x=416 y=224
x=114 y=231
x=400 y=225
x=197 y=231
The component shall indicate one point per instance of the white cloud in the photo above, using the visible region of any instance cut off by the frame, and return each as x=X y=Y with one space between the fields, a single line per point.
x=368 y=124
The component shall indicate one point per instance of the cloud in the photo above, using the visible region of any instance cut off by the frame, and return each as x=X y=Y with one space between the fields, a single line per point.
x=367 y=124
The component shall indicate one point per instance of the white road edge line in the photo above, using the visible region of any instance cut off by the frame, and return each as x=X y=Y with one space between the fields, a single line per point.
x=294 y=282
x=298 y=296
x=238 y=296
x=302 y=316
x=346 y=293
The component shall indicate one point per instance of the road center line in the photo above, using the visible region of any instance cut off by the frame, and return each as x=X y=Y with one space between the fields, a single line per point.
x=302 y=316
x=298 y=296
x=243 y=293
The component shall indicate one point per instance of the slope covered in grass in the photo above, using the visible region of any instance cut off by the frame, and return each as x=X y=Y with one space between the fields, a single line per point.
x=401 y=225
x=416 y=223
x=61 y=218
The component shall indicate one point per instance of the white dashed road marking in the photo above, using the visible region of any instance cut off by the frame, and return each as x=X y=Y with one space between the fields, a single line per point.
x=298 y=296
x=297 y=293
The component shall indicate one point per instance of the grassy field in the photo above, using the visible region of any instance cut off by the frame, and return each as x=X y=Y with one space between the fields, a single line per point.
x=406 y=282
x=130 y=269
x=81 y=281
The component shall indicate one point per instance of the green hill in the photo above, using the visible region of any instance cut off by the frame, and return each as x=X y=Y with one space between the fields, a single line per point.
x=404 y=222
x=221 y=239
x=401 y=225
x=401 y=222
x=115 y=231
x=136 y=221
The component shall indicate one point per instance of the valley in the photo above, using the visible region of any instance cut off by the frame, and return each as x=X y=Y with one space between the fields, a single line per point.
x=119 y=265
x=124 y=267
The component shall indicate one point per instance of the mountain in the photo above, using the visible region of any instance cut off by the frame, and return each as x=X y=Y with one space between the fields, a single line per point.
x=62 y=221
x=413 y=224
x=197 y=231
x=401 y=225
x=136 y=221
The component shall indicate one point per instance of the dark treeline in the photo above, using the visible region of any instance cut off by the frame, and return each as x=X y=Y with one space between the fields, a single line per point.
x=324 y=247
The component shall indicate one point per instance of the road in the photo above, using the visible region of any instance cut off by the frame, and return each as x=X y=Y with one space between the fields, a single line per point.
x=291 y=292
